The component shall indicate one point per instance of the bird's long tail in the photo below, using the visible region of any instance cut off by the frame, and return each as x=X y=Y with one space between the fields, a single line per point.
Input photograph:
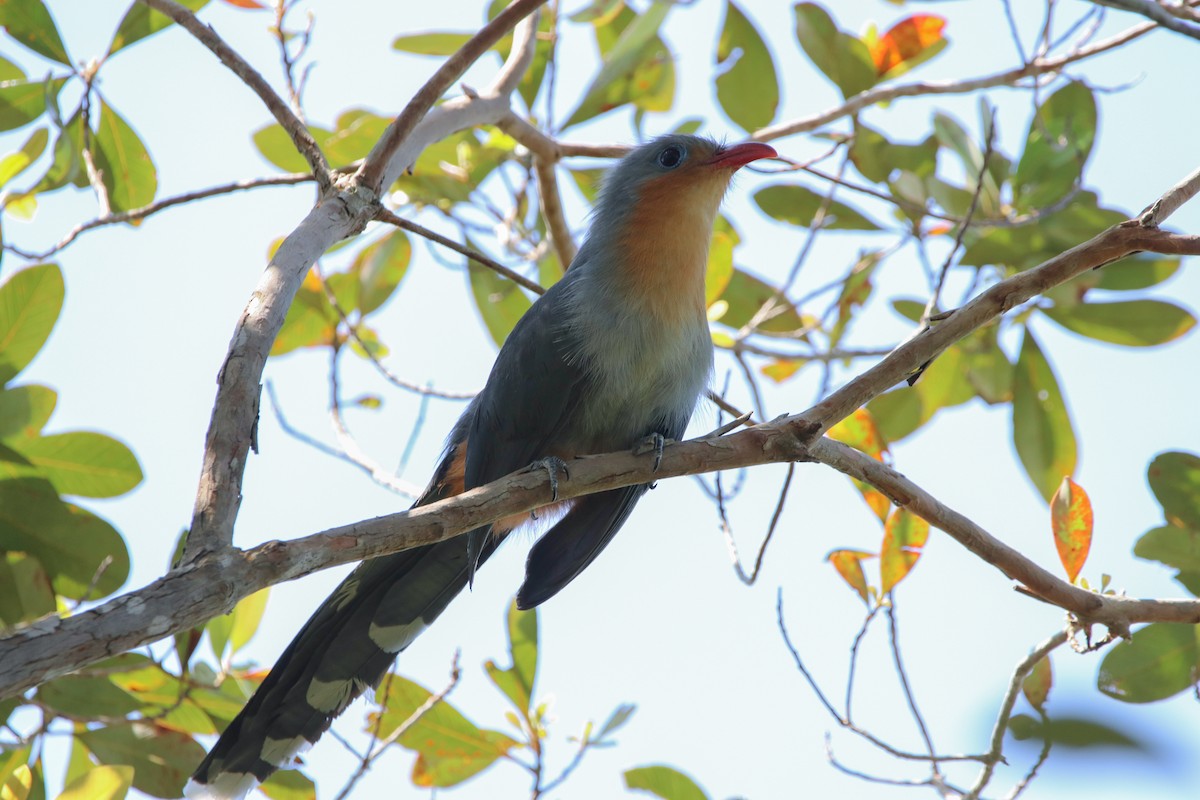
x=343 y=649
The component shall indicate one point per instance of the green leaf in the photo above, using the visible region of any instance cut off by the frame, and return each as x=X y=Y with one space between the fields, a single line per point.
x=311 y=320
x=24 y=410
x=1160 y=661
x=80 y=463
x=103 y=782
x=748 y=88
x=616 y=720
x=945 y=383
x=141 y=21
x=441 y=43
x=355 y=133
x=21 y=102
x=1137 y=323
x=162 y=760
x=71 y=543
x=665 y=782
x=1057 y=146
x=238 y=626
x=719 y=270
x=30 y=23
x=380 y=267
x=276 y=146
x=10 y=71
x=877 y=158
x=517 y=681
x=745 y=295
x=798 y=205
x=637 y=66
x=86 y=697
x=1074 y=732
x=954 y=137
x=449 y=747
x=26 y=592
x=1023 y=246
x=1175 y=480
x=843 y=58
x=125 y=167
x=1137 y=272
x=500 y=301
x=289 y=784
x=67 y=165
x=1041 y=424
x=19 y=160
x=29 y=305
x=1174 y=546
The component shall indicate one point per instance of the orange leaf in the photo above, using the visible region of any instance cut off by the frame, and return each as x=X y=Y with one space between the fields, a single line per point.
x=904 y=535
x=253 y=5
x=906 y=40
x=848 y=564
x=860 y=431
x=1037 y=683
x=1071 y=520
x=939 y=229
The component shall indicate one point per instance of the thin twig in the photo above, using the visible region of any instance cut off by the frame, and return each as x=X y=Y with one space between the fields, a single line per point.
x=996 y=748
x=884 y=94
x=378 y=746
x=906 y=687
x=964 y=226
x=305 y=144
x=135 y=214
x=383 y=215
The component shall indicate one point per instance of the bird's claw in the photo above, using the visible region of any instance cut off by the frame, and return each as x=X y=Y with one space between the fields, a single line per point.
x=552 y=465
x=654 y=443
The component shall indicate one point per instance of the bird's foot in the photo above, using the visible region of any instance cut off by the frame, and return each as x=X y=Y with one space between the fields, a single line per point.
x=654 y=443
x=552 y=465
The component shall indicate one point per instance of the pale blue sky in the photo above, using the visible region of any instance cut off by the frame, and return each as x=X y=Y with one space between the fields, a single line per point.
x=660 y=620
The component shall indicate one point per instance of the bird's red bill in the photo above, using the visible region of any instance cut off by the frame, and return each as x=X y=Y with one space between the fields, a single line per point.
x=739 y=155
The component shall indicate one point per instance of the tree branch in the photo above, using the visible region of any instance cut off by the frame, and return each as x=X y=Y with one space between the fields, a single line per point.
x=1115 y=612
x=376 y=170
x=160 y=205
x=235 y=412
x=275 y=104
x=884 y=94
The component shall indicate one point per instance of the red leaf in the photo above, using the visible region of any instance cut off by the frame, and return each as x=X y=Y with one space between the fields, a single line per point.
x=848 y=564
x=1071 y=520
x=905 y=41
x=904 y=535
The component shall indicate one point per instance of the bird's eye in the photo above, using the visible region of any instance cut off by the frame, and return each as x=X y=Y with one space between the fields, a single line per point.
x=670 y=157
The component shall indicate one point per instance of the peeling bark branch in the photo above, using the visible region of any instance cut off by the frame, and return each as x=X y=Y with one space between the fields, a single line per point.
x=235 y=412
x=375 y=172
x=212 y=585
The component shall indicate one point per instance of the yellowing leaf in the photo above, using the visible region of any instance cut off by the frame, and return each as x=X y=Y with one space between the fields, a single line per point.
x=904 y=536
x=860 y=432
x=100 y=783
x=848 y=564
x=1071 y=520
x=781 y=369
x=1036 y=686
x=908 y=43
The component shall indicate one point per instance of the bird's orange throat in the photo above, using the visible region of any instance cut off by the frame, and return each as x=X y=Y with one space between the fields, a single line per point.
x=664 y=241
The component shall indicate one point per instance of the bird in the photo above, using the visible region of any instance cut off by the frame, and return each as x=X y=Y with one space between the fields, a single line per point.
x=614 y=355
